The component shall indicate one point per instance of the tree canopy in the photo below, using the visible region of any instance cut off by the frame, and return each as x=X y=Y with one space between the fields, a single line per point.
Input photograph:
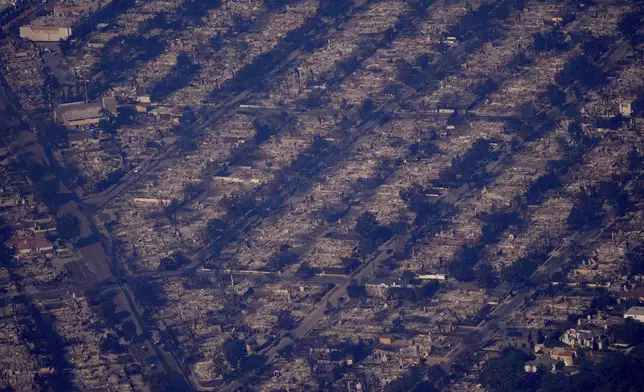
x=128 y=330
x=68 y=227
x=215 y=228
x=587 y=210
x=278 y=261
x=371 y=233
x=234 y=351
x=47 y=191
x=581 y=69
x=506 y=374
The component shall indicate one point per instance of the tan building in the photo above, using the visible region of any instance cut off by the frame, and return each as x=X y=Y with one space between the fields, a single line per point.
x=45 y=33
x=564 y=355
x=626 y=107
x=78 y=114
x=143 y=95
x=635 y=313
x=66 y=20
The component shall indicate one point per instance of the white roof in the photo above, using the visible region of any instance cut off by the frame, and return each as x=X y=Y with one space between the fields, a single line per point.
x=635 y=311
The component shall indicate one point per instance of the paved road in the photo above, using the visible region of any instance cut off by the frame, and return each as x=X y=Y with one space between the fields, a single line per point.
x=316 y=279
x=397 y=113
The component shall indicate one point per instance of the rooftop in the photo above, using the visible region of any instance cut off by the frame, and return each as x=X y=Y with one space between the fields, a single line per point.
x=75 y=111
x=635 y=311
x=31 y=244
x=54 y=21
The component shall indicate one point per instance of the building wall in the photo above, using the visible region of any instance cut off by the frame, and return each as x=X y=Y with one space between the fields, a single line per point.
x=80 y=123
x=46 y=34
x=145 y=200
x=638 y=317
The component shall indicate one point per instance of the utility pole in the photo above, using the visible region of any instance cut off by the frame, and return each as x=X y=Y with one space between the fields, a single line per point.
x=232 y=285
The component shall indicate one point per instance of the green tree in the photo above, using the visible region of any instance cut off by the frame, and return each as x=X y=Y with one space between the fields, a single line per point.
x=405 y=73
x=430 y=288
x=587 y=211
x=216 y=227
x=520 y=271
x=110 y=344
x=556 y=96
x=422 y=61
x=128 y=329
x=307 y=270
x=334 y=8
x=107 y=311
x=263 y=131
x=348 y=66
x=485 y=87
x=631 y=332
x=281 y=259
x=234 y=351
x=505 y=373
x=634 y=160
x=147 y=292
x=47 y=191
x=415 y=197
x=284 y=320
x=174 y=262
x=436 y=374
x=6 y=254
x=68 y=227
x=366 y=108
x=159 y=381
x=486 y=277
x=581 y=69
x=190 y=191
x=371 y=233
x=73 y=176
x=355 y=290
x=630 y=24
x=54 y=137
x=366 y=224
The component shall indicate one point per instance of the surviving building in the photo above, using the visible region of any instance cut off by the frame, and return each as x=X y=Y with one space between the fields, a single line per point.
x=76 y=114
x=69 y=18
x=636 y=313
